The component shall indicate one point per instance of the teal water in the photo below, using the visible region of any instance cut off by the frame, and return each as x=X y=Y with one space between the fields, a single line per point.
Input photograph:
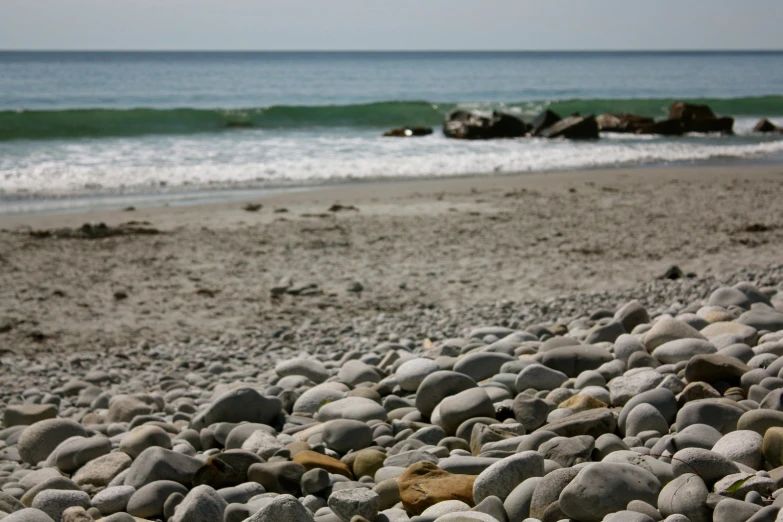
x=90 y=123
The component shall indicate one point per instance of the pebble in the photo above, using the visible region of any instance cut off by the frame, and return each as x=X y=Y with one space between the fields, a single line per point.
x=495 y=424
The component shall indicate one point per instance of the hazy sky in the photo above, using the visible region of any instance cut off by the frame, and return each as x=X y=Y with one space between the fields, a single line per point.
x=391 y=24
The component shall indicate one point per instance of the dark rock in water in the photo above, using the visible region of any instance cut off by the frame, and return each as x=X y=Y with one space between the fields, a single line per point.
x=723 y=125
x=622 y=122
x=764 y=125
x=573 y=128
x=466 y=125
x=664 y=128
x=408 y=132
x=543 y=121
x=700 y=118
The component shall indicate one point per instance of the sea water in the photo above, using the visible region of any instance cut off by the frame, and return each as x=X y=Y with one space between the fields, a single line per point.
x=88 y=124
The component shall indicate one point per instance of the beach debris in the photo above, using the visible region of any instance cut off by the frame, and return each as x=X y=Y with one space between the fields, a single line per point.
x=337 y=207
x=408 y=132
x=252 y=207
x=673 y=273
x=97 y=231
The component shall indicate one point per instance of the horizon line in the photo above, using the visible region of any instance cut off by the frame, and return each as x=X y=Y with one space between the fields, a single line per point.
x=597 y=50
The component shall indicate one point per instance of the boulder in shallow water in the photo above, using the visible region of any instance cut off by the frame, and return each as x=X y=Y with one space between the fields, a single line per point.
x=621 y=122
x=467 y=125
x=543 y=121
x=700 y=118
x=573 y=128
x=764 y=125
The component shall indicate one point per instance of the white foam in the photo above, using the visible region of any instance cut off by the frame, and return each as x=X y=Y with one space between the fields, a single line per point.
x=255 y=157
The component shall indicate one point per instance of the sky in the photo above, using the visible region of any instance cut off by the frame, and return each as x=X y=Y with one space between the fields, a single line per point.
x=390 y=24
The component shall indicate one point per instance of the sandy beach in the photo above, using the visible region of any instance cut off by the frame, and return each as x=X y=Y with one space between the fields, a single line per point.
x=212 y=270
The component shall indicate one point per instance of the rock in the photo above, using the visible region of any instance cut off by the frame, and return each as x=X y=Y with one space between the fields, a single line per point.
x=708 y=465
x=548 y=490
x=645 y=417
x=9 y=504
x=468 y=404
x=666 y=330
x=740 y=484
x=722 y=417
x=738 y=332
x=668 y=127
x=444 y=508
x=101 y=471
x=543 y=121
x=411 y=373
x=56 y=482
x=731 y=510
x=568 y=451
x=621 y=122
x=481 y=365
x=624 y=388
x=581 y=402
x=764 y=125
x=112 y=500
x=148 y=501
x=367 y=462
x=606 y=333
x=314 y=481
x=40 y=439
x=278 y=477
x=348 y=503
x=312 y=369
x=517 y=504
x=685 y=495
x=439 y=385
x=714 y=368
x=343 y=435
x=628 y=516
x=530 y=412
x=762 y=318
x=591 y=422
x=76 y=452
x=573 y=360
x=772 y=446
x=54 y=502
x=311 y=400
x=239 y=405
x=699 y=118
x=143 y=437
x=283 y=508
x=662 y=399
x=600 y=489
x=423 y=485
x=408 y=132
x=124 y=409
x=696 y=391
x=727 y=297
x=473 y=126
x=262 y=444
x=631 y=315
x=355 y=408
x=680 y=350
x=201 y=504
x=573 y=128
x=744 y=447
x=155 y=464
x=28 y=515
x=502 y=477
x=539 y=377
x=312 y=460
x=760 y=420
x=27 y=414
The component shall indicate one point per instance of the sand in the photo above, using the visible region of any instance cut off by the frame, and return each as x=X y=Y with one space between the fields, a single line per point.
x=216 y=269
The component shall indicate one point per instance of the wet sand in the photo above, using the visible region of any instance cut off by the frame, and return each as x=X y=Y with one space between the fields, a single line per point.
x=218 y=269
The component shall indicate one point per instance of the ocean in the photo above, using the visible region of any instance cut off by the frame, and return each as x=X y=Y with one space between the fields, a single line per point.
x=98 y=125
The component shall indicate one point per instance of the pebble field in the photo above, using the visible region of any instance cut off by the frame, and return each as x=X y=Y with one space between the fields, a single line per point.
x=661 y=402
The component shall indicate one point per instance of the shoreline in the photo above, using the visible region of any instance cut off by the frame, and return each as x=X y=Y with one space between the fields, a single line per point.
x=216 y=269
x=239 y=192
